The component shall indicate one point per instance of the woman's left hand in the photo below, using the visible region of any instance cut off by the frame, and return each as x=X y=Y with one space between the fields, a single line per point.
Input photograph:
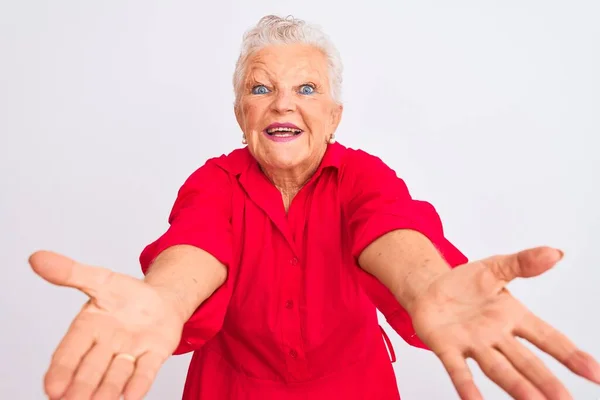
x=468 y=313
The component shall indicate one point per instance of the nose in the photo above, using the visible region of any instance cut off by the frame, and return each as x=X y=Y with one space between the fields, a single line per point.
x=283 y=102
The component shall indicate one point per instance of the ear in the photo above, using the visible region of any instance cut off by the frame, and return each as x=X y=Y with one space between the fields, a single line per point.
x=238 y=115
x=336 y=116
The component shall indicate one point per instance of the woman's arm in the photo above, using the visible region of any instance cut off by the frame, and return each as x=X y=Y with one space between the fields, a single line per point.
x=396 y=239
x=458 y=313
x=191 y=261
x=406 y=262
x=186 y=276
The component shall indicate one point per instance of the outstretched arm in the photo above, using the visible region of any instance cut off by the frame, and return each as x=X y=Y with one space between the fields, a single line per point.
x=177 y=275
x=458 y=313
x=406 y=262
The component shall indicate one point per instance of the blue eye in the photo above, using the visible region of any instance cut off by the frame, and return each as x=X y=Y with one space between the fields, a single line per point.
x=307 y=89
x=260 y=89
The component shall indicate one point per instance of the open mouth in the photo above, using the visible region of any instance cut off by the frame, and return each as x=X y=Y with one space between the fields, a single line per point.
x=283 y=132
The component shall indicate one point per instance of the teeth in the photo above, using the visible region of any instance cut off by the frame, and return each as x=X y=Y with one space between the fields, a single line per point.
x=282 y=129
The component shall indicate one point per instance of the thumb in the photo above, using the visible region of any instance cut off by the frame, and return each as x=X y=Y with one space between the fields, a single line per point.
x=63 y=271
x=524 y=264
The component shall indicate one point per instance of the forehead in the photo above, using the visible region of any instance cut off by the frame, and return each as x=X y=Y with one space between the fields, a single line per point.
x=289 y=61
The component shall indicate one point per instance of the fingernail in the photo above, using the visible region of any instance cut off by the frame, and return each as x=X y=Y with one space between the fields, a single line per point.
x=561 y=254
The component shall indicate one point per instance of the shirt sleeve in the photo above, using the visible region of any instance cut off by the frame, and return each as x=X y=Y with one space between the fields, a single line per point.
x=377 y=201
x=200 y=217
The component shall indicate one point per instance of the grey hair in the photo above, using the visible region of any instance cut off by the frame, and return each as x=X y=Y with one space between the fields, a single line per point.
x=274 y=30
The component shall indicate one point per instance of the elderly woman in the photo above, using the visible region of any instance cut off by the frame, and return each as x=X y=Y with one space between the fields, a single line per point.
x=278 y=256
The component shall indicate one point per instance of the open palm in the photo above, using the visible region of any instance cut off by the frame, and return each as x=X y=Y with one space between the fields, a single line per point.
x=468 y=313
x=118 y=341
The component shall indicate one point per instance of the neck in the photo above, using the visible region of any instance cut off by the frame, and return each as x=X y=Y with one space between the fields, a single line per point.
x=289 y=182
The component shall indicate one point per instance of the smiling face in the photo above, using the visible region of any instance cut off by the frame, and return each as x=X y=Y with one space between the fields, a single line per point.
x=285 y=109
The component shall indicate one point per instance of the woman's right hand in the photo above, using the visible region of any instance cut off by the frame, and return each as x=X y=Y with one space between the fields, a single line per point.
x=118 y=341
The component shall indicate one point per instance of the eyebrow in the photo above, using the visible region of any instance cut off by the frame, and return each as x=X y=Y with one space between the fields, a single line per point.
x=311 y=76
x=251 y=76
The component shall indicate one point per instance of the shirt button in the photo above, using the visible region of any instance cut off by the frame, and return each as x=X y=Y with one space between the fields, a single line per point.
x=294 y=261
x=293 y=353
x=289 y=304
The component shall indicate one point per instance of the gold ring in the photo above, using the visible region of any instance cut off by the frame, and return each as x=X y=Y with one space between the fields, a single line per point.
x=126 y=356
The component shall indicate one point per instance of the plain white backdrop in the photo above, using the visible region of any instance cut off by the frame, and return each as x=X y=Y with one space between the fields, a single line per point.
x=489 y=110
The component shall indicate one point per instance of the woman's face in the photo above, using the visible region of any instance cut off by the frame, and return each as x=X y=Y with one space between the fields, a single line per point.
x=285 y=109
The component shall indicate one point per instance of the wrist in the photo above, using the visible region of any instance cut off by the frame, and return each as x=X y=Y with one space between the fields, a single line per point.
x=417 y=287
x=173 y=302
x=180 y=283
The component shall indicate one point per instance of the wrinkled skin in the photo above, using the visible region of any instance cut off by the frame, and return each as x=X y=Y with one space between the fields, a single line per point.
x=468 y=313
x=123 y=315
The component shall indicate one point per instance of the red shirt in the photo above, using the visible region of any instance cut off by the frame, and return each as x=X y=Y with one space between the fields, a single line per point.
x=296 y=318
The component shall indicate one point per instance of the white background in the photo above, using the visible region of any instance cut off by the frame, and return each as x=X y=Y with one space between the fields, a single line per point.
x=490 y=110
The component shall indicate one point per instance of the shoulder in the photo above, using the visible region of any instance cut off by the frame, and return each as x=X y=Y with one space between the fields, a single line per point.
x=211 y=183
x=360 y=164
x=353 y=157
x=220 y=169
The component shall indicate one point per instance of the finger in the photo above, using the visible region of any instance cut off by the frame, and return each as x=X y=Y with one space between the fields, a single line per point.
x=147 y=367
x=66 y=358
x=461 y=376
x=63 y=271
x=90 y=372
x=496 y=367
x=524 y=264
x=532 y=368
x=115 y=379
x=553 y=342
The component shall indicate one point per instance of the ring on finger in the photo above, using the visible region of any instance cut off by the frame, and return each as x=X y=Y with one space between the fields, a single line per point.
x=126 y=356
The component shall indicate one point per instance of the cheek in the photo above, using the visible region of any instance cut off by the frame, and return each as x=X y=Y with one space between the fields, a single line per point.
x=319 y=123
x=249 y=112
x=316 y=112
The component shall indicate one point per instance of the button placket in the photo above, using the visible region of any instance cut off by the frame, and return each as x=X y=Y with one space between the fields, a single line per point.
x=293 y=343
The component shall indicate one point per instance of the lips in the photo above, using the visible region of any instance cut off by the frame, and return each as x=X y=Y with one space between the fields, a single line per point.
x=282 y=132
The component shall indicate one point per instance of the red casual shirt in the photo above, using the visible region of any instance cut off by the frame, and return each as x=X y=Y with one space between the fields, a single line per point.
x=296 y=318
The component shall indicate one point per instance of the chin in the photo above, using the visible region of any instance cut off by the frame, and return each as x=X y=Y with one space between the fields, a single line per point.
x=286 y=162
x=287 y=158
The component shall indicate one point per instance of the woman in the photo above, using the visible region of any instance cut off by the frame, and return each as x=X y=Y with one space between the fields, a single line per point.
x=278 y=255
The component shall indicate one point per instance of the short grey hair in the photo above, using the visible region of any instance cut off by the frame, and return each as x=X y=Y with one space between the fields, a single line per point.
x=274 y=30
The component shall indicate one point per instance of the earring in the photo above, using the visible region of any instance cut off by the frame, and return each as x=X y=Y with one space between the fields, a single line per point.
x=244 y=141
x=331 y=139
